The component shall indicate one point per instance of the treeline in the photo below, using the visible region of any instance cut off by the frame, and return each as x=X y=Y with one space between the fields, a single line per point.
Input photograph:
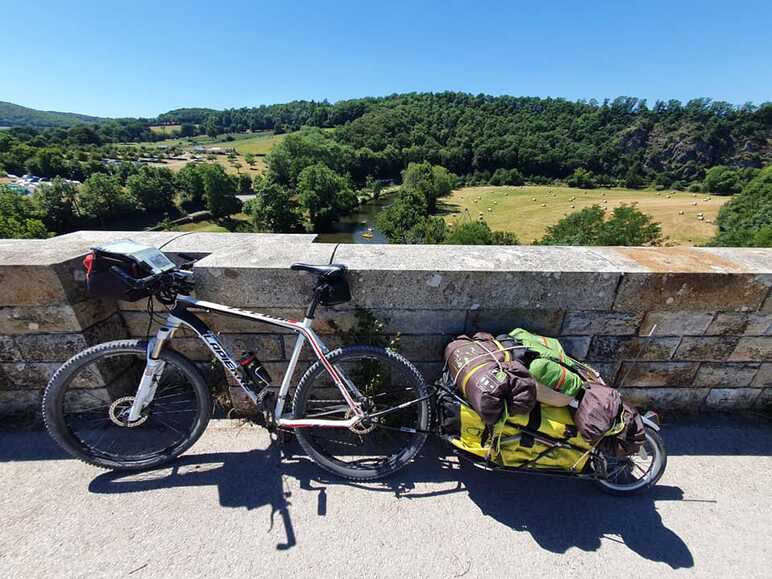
x=61 y=206
x=619 y=142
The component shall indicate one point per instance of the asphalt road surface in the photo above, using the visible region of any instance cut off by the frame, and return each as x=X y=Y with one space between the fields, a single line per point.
x=230 y=507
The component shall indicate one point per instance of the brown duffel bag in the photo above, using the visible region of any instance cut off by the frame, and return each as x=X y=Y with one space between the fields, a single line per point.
x=598 y=411
x=488 y=378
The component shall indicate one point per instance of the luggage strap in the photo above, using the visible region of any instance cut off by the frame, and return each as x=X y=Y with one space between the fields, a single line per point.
x=534 y=422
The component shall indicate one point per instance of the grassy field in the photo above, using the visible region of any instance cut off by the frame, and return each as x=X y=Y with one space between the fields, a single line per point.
x=211 y=226
x=165 y=129
x=521 y=211
x=259 y=144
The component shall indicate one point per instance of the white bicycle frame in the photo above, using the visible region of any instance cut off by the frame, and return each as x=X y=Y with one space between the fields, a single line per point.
x=179 y=316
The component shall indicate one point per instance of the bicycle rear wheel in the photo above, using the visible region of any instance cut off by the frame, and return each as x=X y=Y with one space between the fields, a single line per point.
x=86 y=403
x=384 y=445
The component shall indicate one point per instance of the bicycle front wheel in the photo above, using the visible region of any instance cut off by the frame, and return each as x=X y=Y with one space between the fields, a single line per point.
x=86 y=406
x=392 y=387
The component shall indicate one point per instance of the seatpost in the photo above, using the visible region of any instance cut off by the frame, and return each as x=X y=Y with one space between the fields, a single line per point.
x=311 y=311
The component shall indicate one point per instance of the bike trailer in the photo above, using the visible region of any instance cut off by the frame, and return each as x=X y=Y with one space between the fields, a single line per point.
x=546 y=438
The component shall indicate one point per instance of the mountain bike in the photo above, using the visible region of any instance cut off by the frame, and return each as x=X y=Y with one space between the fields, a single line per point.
x=361 y=412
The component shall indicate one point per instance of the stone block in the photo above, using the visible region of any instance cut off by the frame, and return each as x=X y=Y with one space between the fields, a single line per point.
x=763 y=378
x=431 y=371
x=267 y=347
x=473 y=290
x=712 y=375
x=666 y=399
x=731 y=398
x=600 y=323
x=631 y=347
x=753 y=349
x=331 y=341
x=410 y=321
x=653 y=374
x=676 y=323
x=504 y=320
x=9 y=352
x=706 y=348
x=26 y=375
x=764 y=400
x=30 y=285
x=735 y=323
x=690 y=291
x=54 y=318
x=576 y=346
x=20 y=402
x=60 y=347
x=427 y=348
x=608 y=371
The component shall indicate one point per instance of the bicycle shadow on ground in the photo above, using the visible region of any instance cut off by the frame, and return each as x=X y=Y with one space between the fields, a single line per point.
x=559 y=514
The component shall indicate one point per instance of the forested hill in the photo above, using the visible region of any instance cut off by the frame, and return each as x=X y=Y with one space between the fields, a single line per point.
x=621 y=139
x=12 y=115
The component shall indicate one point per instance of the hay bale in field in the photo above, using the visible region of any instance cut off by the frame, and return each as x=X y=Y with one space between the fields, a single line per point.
x=543 y=204
x=694 y=203
x=681 y=212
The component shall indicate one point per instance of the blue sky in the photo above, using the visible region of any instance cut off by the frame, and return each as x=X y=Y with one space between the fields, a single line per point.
x=143 y=58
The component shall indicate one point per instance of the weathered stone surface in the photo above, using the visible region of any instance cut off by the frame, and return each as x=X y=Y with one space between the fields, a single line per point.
x=26 y=375
x=728 y=375
x=753 y=349
x=707 y=348
x=763 y=378
x=30 y=285
x=608 y=371
x=473 y=290
x=631 y=347
x=331 y=341
x=576 y=346
x=267 y=347
x=766 y=307
x=60 y=347
x=54 y=318
x=741 y=323
x=764 y=400
x=24 y=402
x=690 y=291
x=431 y=371
x=600 y=323
x=676 y=323
x=9 y=352
x=644 y=374
x=731 y=398
x=427 y=348
x=504 y=320
x=666 y=399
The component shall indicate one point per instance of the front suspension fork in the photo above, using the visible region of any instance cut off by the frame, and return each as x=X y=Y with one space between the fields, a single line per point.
x=154 y=369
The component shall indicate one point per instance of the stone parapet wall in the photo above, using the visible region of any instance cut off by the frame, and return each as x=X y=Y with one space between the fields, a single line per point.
x=711 y=350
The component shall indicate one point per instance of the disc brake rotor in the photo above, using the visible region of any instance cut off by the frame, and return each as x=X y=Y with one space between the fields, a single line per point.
x=119 y=413
x=360 y=428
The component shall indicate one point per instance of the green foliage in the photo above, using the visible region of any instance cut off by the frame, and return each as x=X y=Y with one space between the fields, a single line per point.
x=103 y=197
x=324 y=194
x=408 y=211
x=581 y=178
x=478 y=233
x=507 y=177
x=12 y=115
x=627 y=226
x=56 y=202
x=746 y=219
x=722 y=180
x=19 y=218
x=153 y=187
x=190 y=182
x=298 y=151
x=430 y=181
x=274 y=209
x=219 y=191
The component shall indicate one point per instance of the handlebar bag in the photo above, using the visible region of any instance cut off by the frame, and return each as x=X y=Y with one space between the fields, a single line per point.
x=103 y=283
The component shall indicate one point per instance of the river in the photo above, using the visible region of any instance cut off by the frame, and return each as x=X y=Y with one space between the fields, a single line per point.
x=351 y=227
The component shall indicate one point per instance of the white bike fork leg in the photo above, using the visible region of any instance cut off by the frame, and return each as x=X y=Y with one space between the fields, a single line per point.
x=154 y=368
